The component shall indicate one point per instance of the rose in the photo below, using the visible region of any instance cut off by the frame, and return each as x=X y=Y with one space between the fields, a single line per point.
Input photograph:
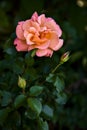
x=40 y=33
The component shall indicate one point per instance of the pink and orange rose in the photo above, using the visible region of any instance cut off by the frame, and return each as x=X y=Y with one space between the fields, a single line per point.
x=40 y=33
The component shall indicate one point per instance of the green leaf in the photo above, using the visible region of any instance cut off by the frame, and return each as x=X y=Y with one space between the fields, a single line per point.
x=14 y=119
x=50 y=78
x=43 y=125
x=10 y=51
x=62 y=98
x=31 y=73
x=59 y=84
x=47 y=111
x=31 y=114
x=35 y=90
x=35 y=105
x=29 y=60
x=6 y=98
x=3 y=115
x=19 y=101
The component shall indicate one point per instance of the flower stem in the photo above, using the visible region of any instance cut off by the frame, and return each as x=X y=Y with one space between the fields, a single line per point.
x=56 y=67
x=23 y=91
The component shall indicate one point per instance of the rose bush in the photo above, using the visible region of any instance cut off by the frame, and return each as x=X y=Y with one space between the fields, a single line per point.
x=32 y=94
x=40 y=33
x=30 y=90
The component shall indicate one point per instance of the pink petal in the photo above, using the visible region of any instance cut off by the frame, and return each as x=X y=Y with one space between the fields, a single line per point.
x=55 y=42
x=51 y=24
x=49 y=53
x=28 y=39
x=48 y=19
x=36 y=26
x=32 y=30
x=27 y=24
x=20 y=45
x=31 y=47
x=26 y=33
x=45 y=52
x=34 y=16
x=20 y=22
x=41 y=19
x=59 y=31
x=59 y=45
x=19 y=31
x=43 y=29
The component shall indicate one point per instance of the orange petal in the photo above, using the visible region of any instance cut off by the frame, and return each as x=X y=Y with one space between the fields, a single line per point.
x=43 y=45
x=38 y=40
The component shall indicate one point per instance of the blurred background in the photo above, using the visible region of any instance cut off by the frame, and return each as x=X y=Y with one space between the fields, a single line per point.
x=71 y=15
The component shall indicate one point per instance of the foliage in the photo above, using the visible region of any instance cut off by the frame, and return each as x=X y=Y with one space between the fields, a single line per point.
x=46 y=101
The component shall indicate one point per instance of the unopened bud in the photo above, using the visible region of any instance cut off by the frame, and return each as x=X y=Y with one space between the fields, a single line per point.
x=80 y=3
x=21 y=82
x=65 y=57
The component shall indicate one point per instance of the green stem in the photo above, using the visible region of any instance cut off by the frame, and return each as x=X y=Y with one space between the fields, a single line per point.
x=56 y=67
x=23 y=91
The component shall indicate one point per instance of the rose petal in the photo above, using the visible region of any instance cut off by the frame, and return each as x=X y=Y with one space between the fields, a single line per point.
x=20 y=45
x=51 y=24
x=28 y=39
x=34 y=16
x=59 y=45
x=45 y=52
x=31 y=47
x=27 y=24
x=19 y=31
x=55 y=42
x=32 y=30
x=41 y=19
x=36 y=26
x=38 y=40
x=49 y=53
x=43 y=45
